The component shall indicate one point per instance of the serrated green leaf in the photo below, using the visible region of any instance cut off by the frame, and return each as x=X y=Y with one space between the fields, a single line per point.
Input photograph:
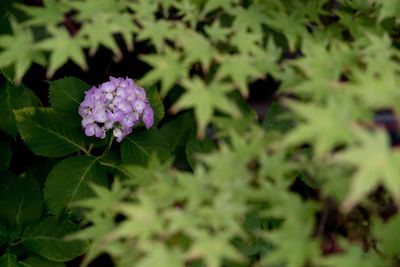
x=205 y=99
x=37 y=261
x=157 y=32
x=177 y=135
x=46 y=238
x=195 y=147
x=65 y=97
x=354 y=256
x=139 y=146
x=14 y=97
x=69 y=181
x=326 y=131
x=167 y=68
x=239 y=76
x=376 y=163
x=387 y=234
x=38 y=124
x=17 y=50
x=9 y=260
x=21 y=202
x=63 y=47
x=51 y=13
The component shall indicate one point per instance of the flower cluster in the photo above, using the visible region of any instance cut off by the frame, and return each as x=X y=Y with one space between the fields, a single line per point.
x=118 y=104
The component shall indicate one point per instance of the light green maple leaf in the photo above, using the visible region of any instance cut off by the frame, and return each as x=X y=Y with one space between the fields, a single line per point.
x=375 y=162
x=251 y=18
x=324 y=132
x=90 y=9
x=63 y=47
x=217 y=32
x=101 y=30
x=167 y=68
x=225 y=5
x=18 y=50
x=389 y=8
x=247 y=42
x=213 y=249
x=197 y=48
x=157 y=32
x=239 y=76
x=51 y=13
x=205 y=99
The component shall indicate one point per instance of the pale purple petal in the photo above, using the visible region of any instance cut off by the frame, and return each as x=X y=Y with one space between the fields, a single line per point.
x=148 y=116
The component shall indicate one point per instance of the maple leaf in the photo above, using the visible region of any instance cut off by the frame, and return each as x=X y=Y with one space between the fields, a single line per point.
x=167 y=68
x=17 y=49
x=51 y=13
x=157 y=32
x=239 y=76
x=326 y=131
x=205 y=99
x=63 y=47
x=375 y=163
x=197 y=48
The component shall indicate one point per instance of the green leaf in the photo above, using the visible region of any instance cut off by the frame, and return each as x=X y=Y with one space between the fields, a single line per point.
x=138 y=147
x=38 y=124
x=46 y=238
x=157 y=32
x=52 y=12
x=167 y=68
x=387 y=235
x=239 y=76
x=324 y=132
x=3 y=234
x=375 y=163
x=177 y=135
x=353 y=256
x=197 y=48
x=275 y=118
x=37 y=261
x=195 y=147
x=21 y=202
x=65 y=97
x=5 y=154
x=205 y=99
x=222 y=4
x=17 y=50
x=9 y=260
x=13 y=97
x=63 y=47
x=69 y=181
x=101 y=30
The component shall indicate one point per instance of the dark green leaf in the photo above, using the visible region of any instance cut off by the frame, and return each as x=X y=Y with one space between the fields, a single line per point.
x=138 y=147
x=69 y=181
x=13 y=97
x=21 y=202
x=65 y=97
x=176 y=134
x=195 y=146
x=46 y=134
x=46 y=238
x=37 y=261
x=9 y=260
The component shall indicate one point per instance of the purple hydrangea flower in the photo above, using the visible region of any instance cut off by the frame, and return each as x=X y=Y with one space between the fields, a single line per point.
x=116 y=105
